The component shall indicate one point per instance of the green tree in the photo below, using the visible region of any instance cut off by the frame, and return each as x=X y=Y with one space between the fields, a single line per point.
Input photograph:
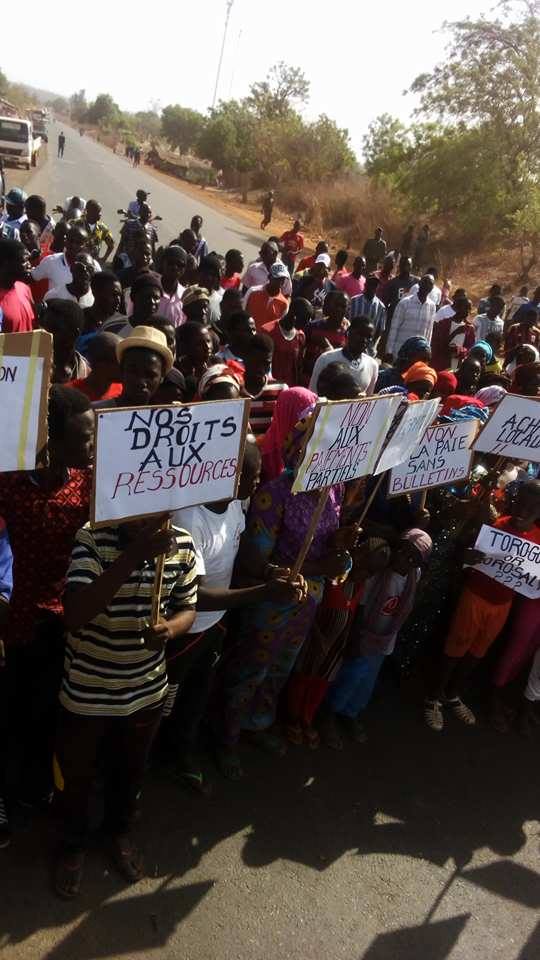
x=103 y=111
x=229 y=138
x=276 y=96
x=59 y=105
x=4 y=84
x=78 y=106
x=182 y=127
x=148 y=123
x=387 y=146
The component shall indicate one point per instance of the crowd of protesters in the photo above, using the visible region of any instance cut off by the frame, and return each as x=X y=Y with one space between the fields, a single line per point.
x=244 y=650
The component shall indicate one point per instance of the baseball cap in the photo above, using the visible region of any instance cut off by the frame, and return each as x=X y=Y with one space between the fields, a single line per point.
x=278 y=270
x=323 y=258
x=15 y=195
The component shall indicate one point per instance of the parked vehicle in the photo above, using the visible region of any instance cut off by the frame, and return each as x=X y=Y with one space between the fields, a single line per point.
x=18 y=142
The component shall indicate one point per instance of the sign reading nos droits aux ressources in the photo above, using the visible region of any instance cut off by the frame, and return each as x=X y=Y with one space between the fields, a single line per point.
x=157 y=459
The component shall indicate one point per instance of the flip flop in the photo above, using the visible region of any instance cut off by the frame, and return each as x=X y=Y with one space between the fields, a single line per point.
x=127 y=859
x=68 y=876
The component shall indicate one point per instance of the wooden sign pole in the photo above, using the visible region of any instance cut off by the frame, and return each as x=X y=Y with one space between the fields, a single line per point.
x=314 y=523
x=158 y=581
x=371 y=498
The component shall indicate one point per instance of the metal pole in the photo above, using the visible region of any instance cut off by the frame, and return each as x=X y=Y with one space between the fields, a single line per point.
x=227 y=15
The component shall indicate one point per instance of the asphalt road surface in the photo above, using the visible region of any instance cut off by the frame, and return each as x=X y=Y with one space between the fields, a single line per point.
x=93 y=171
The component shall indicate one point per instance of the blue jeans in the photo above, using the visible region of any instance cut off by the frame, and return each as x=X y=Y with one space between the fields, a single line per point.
x=352 y=689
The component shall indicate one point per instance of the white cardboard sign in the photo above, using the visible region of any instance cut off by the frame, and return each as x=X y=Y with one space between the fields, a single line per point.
x=513 y=430
x=414 y=421
x=443 y=455
x=157 y=459
x=510 y=560
x=345 y=441
x=25 y=368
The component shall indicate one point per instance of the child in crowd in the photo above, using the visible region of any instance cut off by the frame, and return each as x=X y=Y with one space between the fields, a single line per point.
x=386 y=604
x=482 y=611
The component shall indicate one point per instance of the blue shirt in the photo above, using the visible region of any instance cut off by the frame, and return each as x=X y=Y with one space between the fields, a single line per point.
x=6 y=564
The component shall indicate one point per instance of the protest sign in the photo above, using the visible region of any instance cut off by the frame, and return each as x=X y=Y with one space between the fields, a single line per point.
x=344 y=441
x=25 y=372
x=513 y=430
x=414 y=421
x=157 y=459
x=510 y=560
x=443 y=455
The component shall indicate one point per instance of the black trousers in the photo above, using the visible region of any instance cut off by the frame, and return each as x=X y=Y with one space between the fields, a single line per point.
x=119 y=746
x=193 y=669
x=29 y=686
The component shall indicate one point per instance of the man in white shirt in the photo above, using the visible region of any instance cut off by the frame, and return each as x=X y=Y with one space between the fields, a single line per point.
x=449 y=309
x=491 y=321
x=436 y=294
x=413 y=317
x=173 y=266
x=79 y=288
x=364 y=368
x=134 y=207
x=57 y=267
x=258 y=272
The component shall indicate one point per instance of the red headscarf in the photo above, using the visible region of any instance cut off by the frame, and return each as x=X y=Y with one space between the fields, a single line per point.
x=456 y=401
x=290 y=404
x=446 y=384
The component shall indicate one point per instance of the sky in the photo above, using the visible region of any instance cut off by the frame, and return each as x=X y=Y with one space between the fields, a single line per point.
x=359 y=57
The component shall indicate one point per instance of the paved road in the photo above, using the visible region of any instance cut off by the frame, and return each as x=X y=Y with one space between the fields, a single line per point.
x=94 y=171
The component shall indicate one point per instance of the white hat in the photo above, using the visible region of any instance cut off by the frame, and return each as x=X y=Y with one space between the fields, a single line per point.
x=278 y=271
x=324 y=258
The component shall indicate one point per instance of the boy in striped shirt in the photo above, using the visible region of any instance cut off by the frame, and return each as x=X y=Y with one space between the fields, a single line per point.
x=257 y=351
x=115 y=677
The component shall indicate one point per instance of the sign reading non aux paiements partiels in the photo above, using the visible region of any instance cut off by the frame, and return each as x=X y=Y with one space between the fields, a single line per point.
x=157 y=459
x=344 y=440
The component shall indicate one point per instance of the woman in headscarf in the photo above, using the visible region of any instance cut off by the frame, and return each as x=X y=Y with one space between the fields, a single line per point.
x=388 y=601
x=271 y=635
x=290 y=406
x=446 y=384
x=526 y=353
x=526 y=380
x=413 y=350
x=419 y=380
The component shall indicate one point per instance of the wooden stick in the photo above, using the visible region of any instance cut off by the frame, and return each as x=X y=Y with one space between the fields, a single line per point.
x=371 y=498
x=314 y=523
x=158 y=581
x=423 y=500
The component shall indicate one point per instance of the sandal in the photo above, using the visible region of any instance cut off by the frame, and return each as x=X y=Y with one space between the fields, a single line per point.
x=433 y=715
x=268 y=742
x=228 y=763
x=295 y=734
x=461 y=711
x=188 y=772
x=355 y=728
x=127 y=859
x=68 y=875
x=312 y=738
x=329 y=731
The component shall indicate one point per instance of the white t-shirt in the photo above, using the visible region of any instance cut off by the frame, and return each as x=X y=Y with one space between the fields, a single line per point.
x=62 y=293
x=434 y=295
x=365 y=370
x=257 y=275
x=216 y=537
x=56 y=270
x=444 y=312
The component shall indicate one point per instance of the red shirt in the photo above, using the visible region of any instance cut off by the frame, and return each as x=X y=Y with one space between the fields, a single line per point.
x=350 y=285
x=231 y=283
x=518 y=335
x=317 y=334
x=17 y=306
x=114 y=390
x=287 y=353
x=263 y=308
x=487 y=588
x=306 y=263
x=293 y=242
x=41 y=525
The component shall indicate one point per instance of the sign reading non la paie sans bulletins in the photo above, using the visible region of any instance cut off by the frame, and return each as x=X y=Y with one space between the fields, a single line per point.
x=152 y=460
x=443 y=455
x=344 y=440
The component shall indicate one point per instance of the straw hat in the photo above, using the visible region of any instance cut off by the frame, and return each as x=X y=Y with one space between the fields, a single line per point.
x=146 y=338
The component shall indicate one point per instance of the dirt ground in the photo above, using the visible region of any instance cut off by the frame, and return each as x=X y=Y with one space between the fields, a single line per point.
x=414 y=846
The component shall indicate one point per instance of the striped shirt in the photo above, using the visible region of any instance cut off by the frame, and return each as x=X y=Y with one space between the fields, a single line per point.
x=108 y=671
x=262 y=407
x=375 y=309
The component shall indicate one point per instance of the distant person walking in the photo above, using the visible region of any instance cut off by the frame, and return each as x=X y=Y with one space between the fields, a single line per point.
x=61 y=144
x=267 y=208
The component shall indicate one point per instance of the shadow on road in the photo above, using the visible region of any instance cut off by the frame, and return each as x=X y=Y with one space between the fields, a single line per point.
x=437 y=798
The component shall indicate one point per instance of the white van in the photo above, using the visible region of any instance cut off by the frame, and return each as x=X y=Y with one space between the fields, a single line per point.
x=17 y=141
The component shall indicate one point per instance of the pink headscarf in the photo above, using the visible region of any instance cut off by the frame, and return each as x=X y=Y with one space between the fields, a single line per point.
x=290 y=404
